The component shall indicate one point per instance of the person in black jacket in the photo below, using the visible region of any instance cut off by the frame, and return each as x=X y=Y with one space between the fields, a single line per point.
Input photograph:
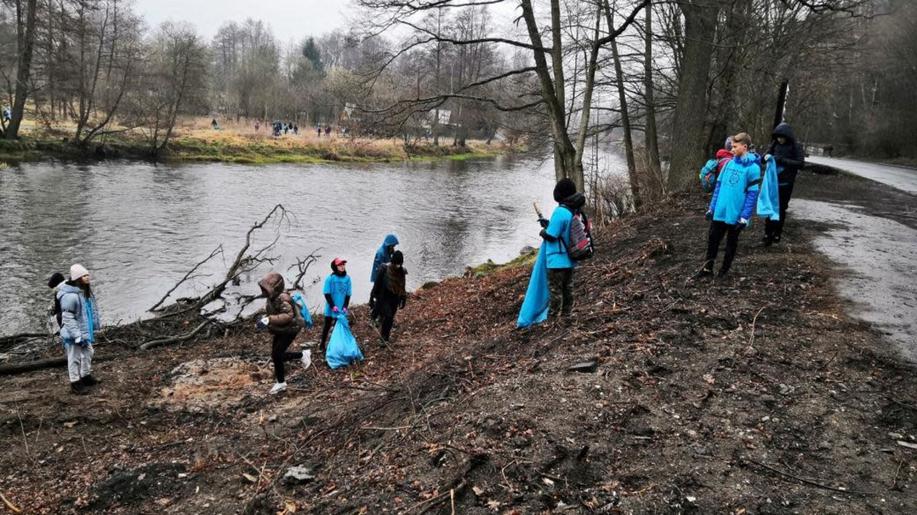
x=790 y=158
x=389 y=293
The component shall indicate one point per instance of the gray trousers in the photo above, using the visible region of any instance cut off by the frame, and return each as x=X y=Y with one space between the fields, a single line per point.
x=79 y=361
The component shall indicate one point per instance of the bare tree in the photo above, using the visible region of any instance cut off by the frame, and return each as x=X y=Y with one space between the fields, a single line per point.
x=26 y=14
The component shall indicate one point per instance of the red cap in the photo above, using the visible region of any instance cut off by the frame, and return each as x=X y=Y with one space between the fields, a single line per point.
x=338 y=261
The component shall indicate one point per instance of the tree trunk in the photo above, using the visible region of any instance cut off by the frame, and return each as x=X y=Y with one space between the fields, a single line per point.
x=25 y=31
x=625 y=116
x=691 y=107
x=564 y=151
x=651 y=139
x=725 y=110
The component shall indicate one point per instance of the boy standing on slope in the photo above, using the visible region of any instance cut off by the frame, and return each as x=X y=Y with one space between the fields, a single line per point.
x=732 y=204
x=556 y=234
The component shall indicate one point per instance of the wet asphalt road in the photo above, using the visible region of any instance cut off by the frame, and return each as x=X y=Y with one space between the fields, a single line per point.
x=866 y=221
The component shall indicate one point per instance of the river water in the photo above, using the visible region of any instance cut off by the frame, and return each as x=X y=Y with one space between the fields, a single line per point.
x=140 y=227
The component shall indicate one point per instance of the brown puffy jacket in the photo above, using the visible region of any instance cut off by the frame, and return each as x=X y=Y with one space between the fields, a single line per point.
x=279 y=306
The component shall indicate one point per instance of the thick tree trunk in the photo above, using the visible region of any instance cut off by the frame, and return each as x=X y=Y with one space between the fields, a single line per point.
x=651 y=138
x=725 y=109
x=691 y=107
x=25 y=30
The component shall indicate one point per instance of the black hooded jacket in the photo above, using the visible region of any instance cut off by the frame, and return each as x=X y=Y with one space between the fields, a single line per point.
x=789 y=155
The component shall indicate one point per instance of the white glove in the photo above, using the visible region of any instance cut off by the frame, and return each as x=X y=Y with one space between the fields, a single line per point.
x=78 y=339
x=768 y=157
x=265 y=321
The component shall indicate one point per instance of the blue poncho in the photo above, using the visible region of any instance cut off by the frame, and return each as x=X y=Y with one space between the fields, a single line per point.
x=769 y=198
x=537 y=296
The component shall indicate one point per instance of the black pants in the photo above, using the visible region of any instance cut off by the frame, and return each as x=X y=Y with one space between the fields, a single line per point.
x=717 y=231
x=279 y=353
x=560 y=285
x=774 y=230
x=386 y=310
x=326 y=328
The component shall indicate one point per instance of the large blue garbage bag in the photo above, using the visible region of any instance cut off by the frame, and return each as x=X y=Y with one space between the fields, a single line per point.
x=769 y=197
x=300 y=301
x=537 y=296
x=342 y=348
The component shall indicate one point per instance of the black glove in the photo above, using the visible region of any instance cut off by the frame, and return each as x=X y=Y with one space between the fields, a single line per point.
x=543 y=222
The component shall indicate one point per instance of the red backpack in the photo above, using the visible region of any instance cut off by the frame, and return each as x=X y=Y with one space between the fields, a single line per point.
x=580 y=237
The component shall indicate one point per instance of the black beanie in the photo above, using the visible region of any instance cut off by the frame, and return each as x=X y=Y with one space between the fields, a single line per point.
x=55 y=279
x=398 y=258
x=565 y=188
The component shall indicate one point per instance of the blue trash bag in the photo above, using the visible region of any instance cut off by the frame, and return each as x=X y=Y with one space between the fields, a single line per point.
x=537 y=296
x=303 y=308
x=342 y=348
x=769 y=196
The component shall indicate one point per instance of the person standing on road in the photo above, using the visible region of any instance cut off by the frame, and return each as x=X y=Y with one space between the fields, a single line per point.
x=389 y=292
x=79 y=321
x=789 y=158
x=281 y=320
x=732 y=204
x=337 y=290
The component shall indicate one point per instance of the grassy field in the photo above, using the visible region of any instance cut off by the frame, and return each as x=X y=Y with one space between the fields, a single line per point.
x=194 y=140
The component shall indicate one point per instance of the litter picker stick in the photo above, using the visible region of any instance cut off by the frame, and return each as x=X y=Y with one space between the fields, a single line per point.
x=537 y=211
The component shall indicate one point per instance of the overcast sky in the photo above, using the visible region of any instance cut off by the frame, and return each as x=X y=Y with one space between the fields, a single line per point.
x=289 y=19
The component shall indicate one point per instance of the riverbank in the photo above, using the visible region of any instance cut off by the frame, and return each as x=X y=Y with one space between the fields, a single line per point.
x=754 y=394
x=228 y=146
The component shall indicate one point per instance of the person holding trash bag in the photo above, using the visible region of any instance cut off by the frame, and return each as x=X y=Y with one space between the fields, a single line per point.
x=79 y=322
x=281 y=320
x=789 y=158
x=550 y=287
x=337 y=291
x=389 y=292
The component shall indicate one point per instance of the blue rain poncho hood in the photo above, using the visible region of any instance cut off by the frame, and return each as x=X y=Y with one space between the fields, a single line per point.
x=383 y=255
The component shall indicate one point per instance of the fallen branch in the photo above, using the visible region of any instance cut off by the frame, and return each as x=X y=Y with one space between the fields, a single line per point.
x=10 y=505
x=809 y=482
x=214 y=253
x=174 y=339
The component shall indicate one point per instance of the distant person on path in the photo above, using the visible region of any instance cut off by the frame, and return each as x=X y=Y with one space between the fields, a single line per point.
x=732 y=204
x=319 y=130
x=389 y=293
x=295 y=129
x=337 y=292
x=79 y=321
x=214 y=125
x=556 y=234
x=790 y=158
x=7 y=114
x=328 y=131
x=281 y=320
x=257 y=126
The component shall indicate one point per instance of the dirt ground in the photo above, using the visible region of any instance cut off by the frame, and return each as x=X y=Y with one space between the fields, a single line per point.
x=755 y=394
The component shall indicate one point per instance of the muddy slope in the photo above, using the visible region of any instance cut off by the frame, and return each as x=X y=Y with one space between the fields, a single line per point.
x=754 y=394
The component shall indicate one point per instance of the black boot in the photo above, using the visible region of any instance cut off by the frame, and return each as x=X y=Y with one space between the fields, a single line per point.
x=89 y=380
x=77 y=388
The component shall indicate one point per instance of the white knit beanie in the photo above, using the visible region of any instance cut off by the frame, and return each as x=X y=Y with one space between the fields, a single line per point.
x=77 y=271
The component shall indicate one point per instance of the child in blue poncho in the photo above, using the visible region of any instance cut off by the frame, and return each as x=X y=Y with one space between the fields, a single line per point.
x=337 y=291
x=733 y=203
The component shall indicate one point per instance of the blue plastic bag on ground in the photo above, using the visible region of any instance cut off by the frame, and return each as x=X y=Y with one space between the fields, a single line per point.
x=769 y=197
x=300 y=301
x=537 y=296
x=342 y=347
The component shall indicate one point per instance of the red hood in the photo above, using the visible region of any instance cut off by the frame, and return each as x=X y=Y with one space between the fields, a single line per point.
x=721 y=153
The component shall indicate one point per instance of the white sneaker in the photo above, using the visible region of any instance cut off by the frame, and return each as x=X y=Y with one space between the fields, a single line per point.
x=278 y=387
x=306 y=359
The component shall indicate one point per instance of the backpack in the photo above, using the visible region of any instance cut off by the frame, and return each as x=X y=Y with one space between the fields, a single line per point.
x=710 y=172
x=55 y=320
x=301 y=309
x=580 y=237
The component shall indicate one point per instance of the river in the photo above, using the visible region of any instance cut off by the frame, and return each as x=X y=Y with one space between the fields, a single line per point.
x=139 y=227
